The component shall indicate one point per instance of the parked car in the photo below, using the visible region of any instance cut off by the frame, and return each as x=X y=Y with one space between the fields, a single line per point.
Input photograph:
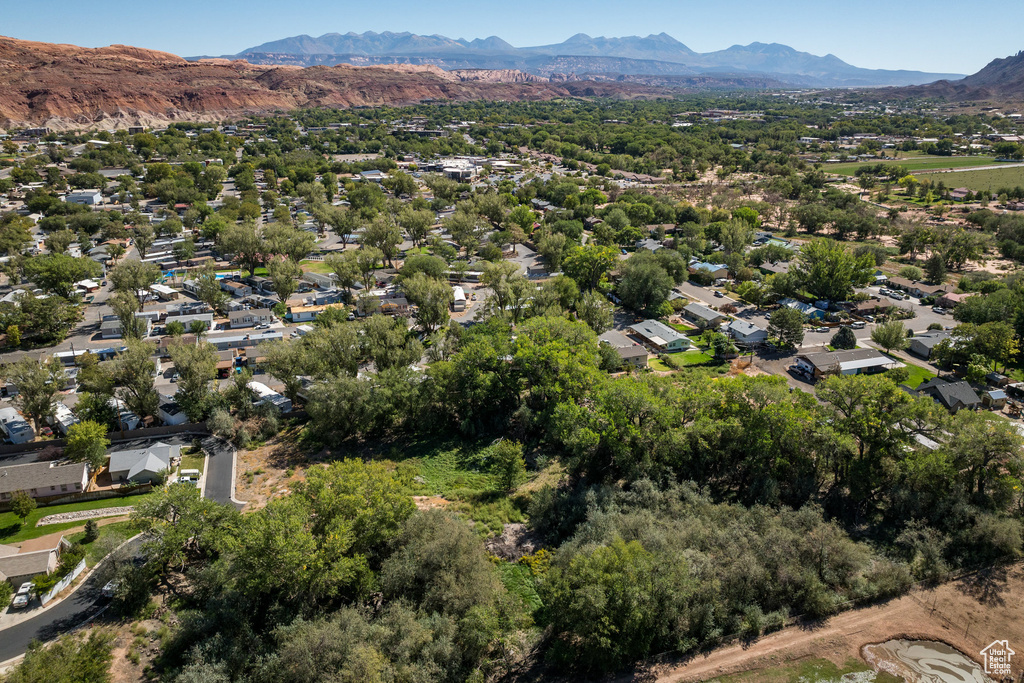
x=939 y=309
x=261 y=326
x=719 y=294
x=22 y=597
x=821 y=329
x=108 y=590
x=858 y=324
x=869 y=318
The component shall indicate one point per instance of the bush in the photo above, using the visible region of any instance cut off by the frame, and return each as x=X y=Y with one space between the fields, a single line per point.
x=935 y=326
x=92 y=530
x=844 y=339
x=911 y=273
x=6 y=594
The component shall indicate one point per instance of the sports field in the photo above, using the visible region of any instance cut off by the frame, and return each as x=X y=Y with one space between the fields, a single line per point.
x=991 y=180
x=922 y=163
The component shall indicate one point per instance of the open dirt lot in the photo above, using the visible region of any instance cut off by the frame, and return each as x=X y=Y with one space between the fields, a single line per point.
x=967 y=614
x=268 y=471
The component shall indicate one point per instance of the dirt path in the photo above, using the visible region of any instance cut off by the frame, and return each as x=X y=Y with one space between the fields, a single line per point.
x=968 y=614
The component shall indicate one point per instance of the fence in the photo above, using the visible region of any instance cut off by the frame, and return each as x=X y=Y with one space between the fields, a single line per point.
x=115 y=437
x=63 y=583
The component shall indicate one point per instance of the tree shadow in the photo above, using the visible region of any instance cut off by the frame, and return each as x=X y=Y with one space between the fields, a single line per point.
x=986 y=586
x=9 y=530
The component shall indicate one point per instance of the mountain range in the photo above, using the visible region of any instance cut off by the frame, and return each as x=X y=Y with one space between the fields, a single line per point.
x=1000 y=80
x=583 y=56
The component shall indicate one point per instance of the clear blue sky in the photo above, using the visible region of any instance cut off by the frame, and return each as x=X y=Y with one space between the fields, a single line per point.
x=939 y=36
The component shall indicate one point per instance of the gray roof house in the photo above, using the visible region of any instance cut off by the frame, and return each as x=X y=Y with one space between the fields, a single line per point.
x=850 y=362
x=43 y=479
x=703 y=316
x=35 y=557
x=922 y=344
x=15 y=427
x=143 y=464
x=745 y=332
x=249 y=317
x=629 y=351
x=660 y=336
x=953 y=395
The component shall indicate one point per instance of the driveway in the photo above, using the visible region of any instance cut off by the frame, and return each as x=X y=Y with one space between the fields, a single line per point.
x=220 y=483
x=84 y=603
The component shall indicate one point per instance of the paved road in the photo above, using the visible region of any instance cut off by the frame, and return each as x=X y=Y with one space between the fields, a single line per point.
x=81 y=605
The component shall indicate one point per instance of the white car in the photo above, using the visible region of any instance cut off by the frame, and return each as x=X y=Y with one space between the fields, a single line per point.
x=22 y=597
x=108 y=590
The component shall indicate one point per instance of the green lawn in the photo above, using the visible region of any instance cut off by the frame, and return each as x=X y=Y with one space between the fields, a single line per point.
x=921 y=163
x=111 y=536
x=810 y=671
x=315 y=267
x=918 y=375
x=193 y=462
x=658 y=365
x=685 y=329
x=694 y=357
x=13 y=531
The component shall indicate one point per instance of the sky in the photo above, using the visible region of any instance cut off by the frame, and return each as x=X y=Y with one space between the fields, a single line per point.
x=946 y=36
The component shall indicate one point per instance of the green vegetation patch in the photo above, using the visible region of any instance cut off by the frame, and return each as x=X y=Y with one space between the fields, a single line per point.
x=13 y=531
x=813 y=671
x=991 y=180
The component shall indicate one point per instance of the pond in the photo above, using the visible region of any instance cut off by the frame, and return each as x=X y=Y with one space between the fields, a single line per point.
x=924 y=661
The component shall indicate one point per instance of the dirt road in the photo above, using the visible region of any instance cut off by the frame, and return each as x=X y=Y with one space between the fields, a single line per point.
x=968 y=614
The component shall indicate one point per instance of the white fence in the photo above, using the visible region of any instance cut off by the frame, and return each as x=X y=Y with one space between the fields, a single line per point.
x=63 y=583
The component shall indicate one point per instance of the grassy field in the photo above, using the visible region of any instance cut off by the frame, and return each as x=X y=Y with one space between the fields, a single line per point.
x=922 y=163
x=13 y=531
x=990 y=180
x=315 y=267
x=812 y=671
x=193 y=462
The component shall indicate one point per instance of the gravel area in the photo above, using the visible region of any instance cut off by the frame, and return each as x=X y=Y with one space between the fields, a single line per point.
x=84 y=514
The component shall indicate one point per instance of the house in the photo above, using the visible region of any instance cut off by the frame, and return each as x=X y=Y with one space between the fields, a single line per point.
x=188 y=318
x=808 y=310
x=126 y=419
x=86 y=197
x=458 y=299
x=34 y=557
x=169 y=412
x=394 y=305
x=715 y=270
x=850 y=362
x=164 y=293
x=63 y=418
x=649 y=245
x=954 y=396
x=43 y=479
x=304 y=314
x=951 y=299
x=923 y=344
x=703 y=316
x=660 y=336
x=15 y=427
x=629 y=351
x=250 y=317
x=244 y=341
x=747 y=333
x=110 y=328
x=266 y=395
x=319 y=280
x=871 y=306
x=236 y=289
x=143 y=465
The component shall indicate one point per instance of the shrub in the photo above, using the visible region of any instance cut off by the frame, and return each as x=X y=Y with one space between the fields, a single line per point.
x=92 y=530
x=844 y=339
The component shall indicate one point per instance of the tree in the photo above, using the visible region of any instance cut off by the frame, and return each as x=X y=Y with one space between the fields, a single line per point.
x=125 y=306
x=416 y=223
x=828 y=271
x=383 y=234
x=71 y=658
x=144 y=238
x=935 y=268
x=911 y=273
x=243 y=242
x=509 y=465
x=587 y=265
x=432 y=299
x=366 y=261
x=134 y=278
x=787 y=325
x=389 y=343
x=552 y=247
x=184 y=250
x=22 y=505
x=344 y=267
x=58 y=273
x=844 y=338
x=133 y=378
x=644 y=285
x=284 y=275
x=13 y=336
x=890 y=335
x=59 y=241
x=87 y=442
x=287 y=362
x=92 y=531
x=39 y=383
x=208 y=289
x=196 y=365
x=595 y=311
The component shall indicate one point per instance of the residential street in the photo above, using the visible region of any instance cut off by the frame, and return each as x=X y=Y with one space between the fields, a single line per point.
x=82 y=604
